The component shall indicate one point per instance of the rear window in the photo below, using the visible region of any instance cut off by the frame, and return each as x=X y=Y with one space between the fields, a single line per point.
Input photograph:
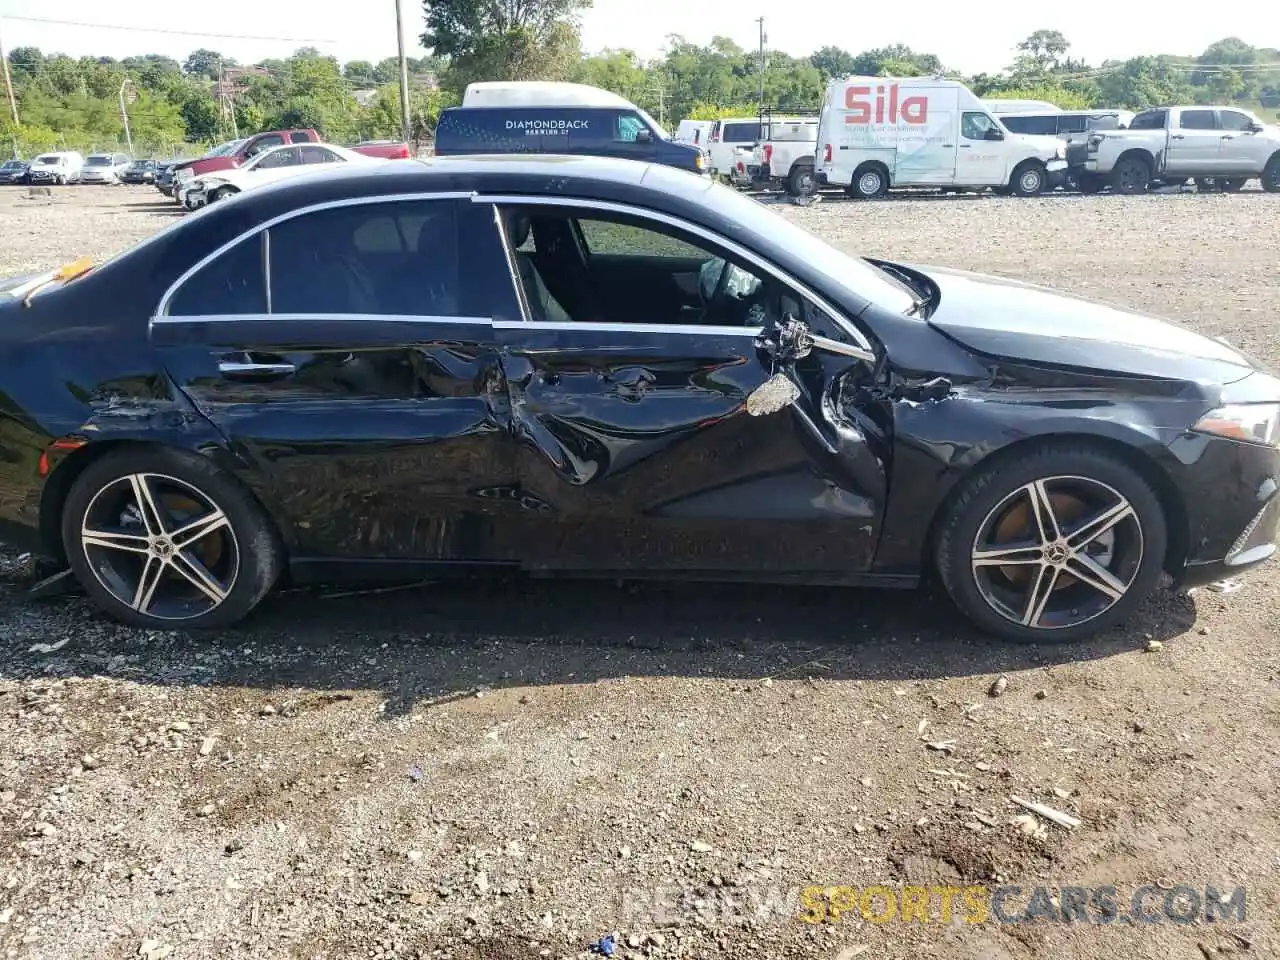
x=740 y=132
x=1198 y=120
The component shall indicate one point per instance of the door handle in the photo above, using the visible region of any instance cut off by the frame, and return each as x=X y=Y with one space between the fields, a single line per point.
x=1177 y=136
x=248 y=370
x=963 y=146
x=1228 y=136
x=948 y=145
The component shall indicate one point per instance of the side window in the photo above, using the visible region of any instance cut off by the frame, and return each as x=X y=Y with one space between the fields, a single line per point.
x=611 y=239
x=1105 y=121
x=1234 y=120
x=300 y=136
x=318 y=155
x=628 y=128
x=378 y=259
x=1197 y=120
x=741 y=132
x=633 y=271
x=280 y=158
x=1073 y=124
x=974 y=125
x=1148 y=120
x=266 y=143
x=230 y=285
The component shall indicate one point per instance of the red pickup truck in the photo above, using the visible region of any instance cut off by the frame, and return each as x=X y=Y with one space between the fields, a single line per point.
x=236 y=152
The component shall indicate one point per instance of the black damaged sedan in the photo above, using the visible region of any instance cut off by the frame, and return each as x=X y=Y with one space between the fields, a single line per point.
x=598 y=367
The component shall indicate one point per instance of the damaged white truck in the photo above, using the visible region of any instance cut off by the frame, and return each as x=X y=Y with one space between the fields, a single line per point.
x=1222 y=148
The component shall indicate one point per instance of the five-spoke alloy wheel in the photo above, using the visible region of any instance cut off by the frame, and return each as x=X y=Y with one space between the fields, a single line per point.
x=164 y=539
x=1052 y=545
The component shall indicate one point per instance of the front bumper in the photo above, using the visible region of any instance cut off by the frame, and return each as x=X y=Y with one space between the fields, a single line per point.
x=1057 y=171
x=98 y=178
x=1232 y=496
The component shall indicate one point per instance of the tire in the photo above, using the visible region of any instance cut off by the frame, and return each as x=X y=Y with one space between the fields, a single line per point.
x=1091 y=183
x=229 y=538
x=1081 y=482
x=1271 y=175
x=1131 y=176
x=222 y=193
x=1029 y=179
x=800 y=182
x=870 y=182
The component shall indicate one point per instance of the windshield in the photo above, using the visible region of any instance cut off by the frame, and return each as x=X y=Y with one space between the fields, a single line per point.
x=98 y=162
x=658 y=130
x=225 y=148
x=52 y=159
x=10 y=164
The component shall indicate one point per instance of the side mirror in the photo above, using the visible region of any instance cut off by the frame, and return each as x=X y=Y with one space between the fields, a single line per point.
x=993 y=133
x=643 y=136
x=1256 y=127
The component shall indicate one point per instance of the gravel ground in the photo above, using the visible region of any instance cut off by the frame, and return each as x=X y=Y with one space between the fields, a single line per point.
x=513 y=771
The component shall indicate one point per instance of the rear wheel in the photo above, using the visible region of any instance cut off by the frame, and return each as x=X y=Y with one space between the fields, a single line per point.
x=1131 y=176
x=1053 y=546
x=800 y=182
x=870 y=181
x=164 y=539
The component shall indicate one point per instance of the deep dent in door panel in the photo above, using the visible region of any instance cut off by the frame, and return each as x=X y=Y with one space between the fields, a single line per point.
x=632 y=434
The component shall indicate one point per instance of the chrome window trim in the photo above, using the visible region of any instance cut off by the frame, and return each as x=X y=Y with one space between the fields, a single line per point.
x=509 y=252
x=328 y=318
x=710 y=236
x=266 y=266
x=162 y=309
x=559 y=325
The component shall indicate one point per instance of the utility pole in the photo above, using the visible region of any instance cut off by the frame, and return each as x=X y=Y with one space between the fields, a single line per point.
x=763 y=38
x=124 y=115
x=8 y=85
x=404 y=77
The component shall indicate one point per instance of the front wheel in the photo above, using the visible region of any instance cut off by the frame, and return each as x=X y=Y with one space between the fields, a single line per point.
x=164 y=539
x=1052 y=546
x=222 y=193
x=1028 y=180
x=1271 y=175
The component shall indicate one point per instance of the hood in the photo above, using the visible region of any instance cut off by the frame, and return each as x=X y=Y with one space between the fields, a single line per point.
x=1039 y=142
x=1021 y=321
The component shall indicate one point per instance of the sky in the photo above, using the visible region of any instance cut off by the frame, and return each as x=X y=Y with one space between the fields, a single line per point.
x=970 y=39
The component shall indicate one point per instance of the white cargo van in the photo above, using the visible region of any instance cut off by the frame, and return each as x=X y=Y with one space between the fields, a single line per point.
x=875 y=133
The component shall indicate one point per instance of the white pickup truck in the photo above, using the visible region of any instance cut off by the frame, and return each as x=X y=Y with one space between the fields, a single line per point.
x=786 y=157
x=1221 y=147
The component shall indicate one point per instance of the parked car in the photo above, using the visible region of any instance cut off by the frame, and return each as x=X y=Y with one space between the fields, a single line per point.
x=786 y=156
x=877 y=133
x=13 y=171
x=559 y=118
x=727 y=137
x=165 y=170
x=238 y=152
x=270 y=166
x=592 y=366
x=61 y=167
x=140 y=171
x=1227 y=145
x=104 y=167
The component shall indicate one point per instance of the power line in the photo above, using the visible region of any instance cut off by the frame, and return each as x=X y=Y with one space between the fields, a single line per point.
x=175 y=33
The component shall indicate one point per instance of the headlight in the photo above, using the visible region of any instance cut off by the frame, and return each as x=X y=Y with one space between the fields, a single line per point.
x=1248 y=422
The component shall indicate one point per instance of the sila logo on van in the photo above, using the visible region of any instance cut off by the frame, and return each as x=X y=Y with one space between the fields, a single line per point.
x=913 y=110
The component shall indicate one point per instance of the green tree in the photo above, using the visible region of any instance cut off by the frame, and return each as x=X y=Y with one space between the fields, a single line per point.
x=26 y=63
x=896 y=60
x=1145 y=82
x=206 y=63
x=833 y=62
x=1040 y=54
x=359 y=73
x=200 y=118
x=504 y=40
x=618 y=70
